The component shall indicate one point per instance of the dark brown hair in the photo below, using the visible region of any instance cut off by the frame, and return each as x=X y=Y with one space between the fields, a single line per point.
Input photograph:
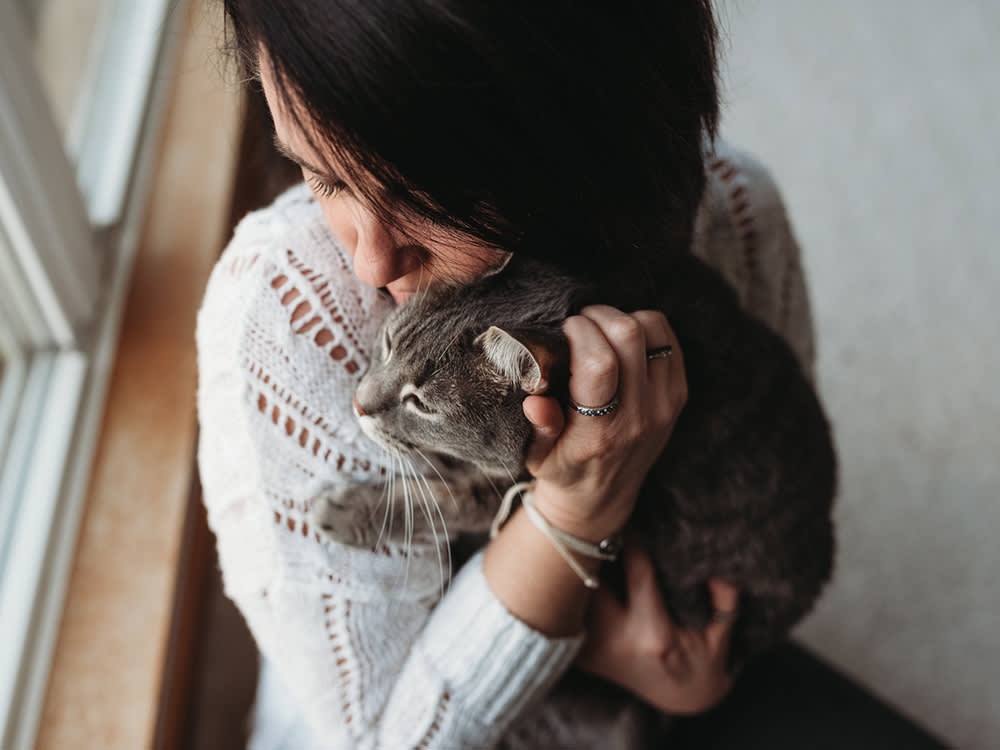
x=572 y=131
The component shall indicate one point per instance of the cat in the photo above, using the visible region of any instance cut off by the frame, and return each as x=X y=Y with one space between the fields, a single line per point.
x=743 y=491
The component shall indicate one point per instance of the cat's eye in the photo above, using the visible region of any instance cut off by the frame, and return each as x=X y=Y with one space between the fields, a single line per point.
x=413 y=401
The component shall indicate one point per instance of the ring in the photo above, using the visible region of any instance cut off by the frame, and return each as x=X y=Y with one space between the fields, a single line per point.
x=724 y=617
x=597 y=411
x=660 y=352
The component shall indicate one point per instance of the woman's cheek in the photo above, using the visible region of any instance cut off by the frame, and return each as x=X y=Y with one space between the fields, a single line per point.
x=341 y=223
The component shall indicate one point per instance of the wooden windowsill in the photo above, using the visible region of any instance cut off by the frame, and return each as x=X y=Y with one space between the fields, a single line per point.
x=112 y=658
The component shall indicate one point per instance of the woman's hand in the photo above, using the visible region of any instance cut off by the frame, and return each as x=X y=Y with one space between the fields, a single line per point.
x=588 y=469
x=636 y=645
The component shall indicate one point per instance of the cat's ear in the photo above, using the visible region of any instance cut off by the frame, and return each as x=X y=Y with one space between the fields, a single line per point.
x=497 y=267
x=514 y=359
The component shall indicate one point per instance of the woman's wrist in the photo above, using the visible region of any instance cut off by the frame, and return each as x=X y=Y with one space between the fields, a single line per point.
x=572 y=515
x=531 y=579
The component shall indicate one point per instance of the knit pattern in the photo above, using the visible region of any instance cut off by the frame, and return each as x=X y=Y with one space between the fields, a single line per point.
x=369 y=645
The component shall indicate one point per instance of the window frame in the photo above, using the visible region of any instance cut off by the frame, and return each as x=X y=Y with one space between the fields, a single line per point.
x=68 y=236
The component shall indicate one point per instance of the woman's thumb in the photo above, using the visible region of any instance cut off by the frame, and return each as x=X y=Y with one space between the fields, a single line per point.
x=546 y=416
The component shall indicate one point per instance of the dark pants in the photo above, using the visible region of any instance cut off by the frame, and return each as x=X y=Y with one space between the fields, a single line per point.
x=791 y=700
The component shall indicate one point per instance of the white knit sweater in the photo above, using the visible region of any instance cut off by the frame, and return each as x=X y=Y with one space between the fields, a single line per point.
x=370 y=651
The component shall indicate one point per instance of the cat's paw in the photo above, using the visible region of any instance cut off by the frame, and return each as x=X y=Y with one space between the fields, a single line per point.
x=343 y=514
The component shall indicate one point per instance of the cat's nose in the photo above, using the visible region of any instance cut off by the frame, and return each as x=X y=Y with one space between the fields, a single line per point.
x=357 y=408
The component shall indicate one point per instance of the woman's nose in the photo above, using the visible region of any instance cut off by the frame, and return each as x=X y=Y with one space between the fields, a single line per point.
x=381 y=256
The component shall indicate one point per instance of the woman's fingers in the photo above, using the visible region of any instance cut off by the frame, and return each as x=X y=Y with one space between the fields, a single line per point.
x=607 y=639
x=642 y=383
x=588 y=478
x=681 y=672
x=726 y=601
x=653 y=630
x=627 y=337
x=593 y=364
x=638 y=629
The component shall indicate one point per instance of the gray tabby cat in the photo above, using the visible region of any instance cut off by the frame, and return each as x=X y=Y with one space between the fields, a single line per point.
x=743 y=490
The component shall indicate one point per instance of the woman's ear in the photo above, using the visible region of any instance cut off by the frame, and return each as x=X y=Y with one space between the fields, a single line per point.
x=516 y=359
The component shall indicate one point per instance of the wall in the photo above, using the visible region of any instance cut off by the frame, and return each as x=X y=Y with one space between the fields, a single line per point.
x=880 y=121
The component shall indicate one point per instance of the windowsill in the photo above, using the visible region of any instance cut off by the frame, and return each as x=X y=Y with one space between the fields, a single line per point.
x=112 y=660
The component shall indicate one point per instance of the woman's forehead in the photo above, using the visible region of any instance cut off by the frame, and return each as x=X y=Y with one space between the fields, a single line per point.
x=290 y=120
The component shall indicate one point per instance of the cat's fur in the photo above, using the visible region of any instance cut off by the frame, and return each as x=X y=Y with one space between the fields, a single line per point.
x=742 y=492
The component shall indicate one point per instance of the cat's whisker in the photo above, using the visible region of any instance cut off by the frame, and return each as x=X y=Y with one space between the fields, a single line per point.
x=407 y=524
x=435 y=469
x=492 y=484
x=513 y=479
x=414 y=502
x=421 y=495
x=429 y=503
x=432 y=274
x=400 y=477
x=387 y=515
x=451 y=343
x=426 y=271
x=445 y=574
x=436 y=504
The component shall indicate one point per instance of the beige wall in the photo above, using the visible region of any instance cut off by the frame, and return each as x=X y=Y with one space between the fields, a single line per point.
x=881 y=121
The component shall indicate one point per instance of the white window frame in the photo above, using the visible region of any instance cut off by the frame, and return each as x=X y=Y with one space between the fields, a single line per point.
x=68 y=235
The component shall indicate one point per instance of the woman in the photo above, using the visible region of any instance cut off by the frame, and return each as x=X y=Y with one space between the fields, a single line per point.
x=436 y=137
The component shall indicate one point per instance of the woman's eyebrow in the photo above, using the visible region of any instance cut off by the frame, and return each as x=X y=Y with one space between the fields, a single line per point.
x=285 y=151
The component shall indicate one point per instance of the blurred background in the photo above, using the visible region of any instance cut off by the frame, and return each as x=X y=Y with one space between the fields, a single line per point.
x=879 y=121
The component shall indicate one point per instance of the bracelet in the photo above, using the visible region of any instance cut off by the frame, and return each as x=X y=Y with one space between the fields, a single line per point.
x=606 y=549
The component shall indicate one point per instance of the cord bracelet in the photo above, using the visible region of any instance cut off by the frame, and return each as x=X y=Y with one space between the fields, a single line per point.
x=606 y=549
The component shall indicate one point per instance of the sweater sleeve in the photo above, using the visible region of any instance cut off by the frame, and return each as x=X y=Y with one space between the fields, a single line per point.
x=744 y=231
x=374 y=654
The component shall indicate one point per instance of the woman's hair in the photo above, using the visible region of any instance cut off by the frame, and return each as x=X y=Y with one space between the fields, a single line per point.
x=570 y=130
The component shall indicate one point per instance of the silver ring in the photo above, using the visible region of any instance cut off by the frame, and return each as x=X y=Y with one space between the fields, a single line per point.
x=597 y=411
x=660 y=352
x=724 y=617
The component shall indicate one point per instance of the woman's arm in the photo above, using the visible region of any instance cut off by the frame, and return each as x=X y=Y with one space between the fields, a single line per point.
x=743 y=225
x=588 y=469
x=589 y=476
